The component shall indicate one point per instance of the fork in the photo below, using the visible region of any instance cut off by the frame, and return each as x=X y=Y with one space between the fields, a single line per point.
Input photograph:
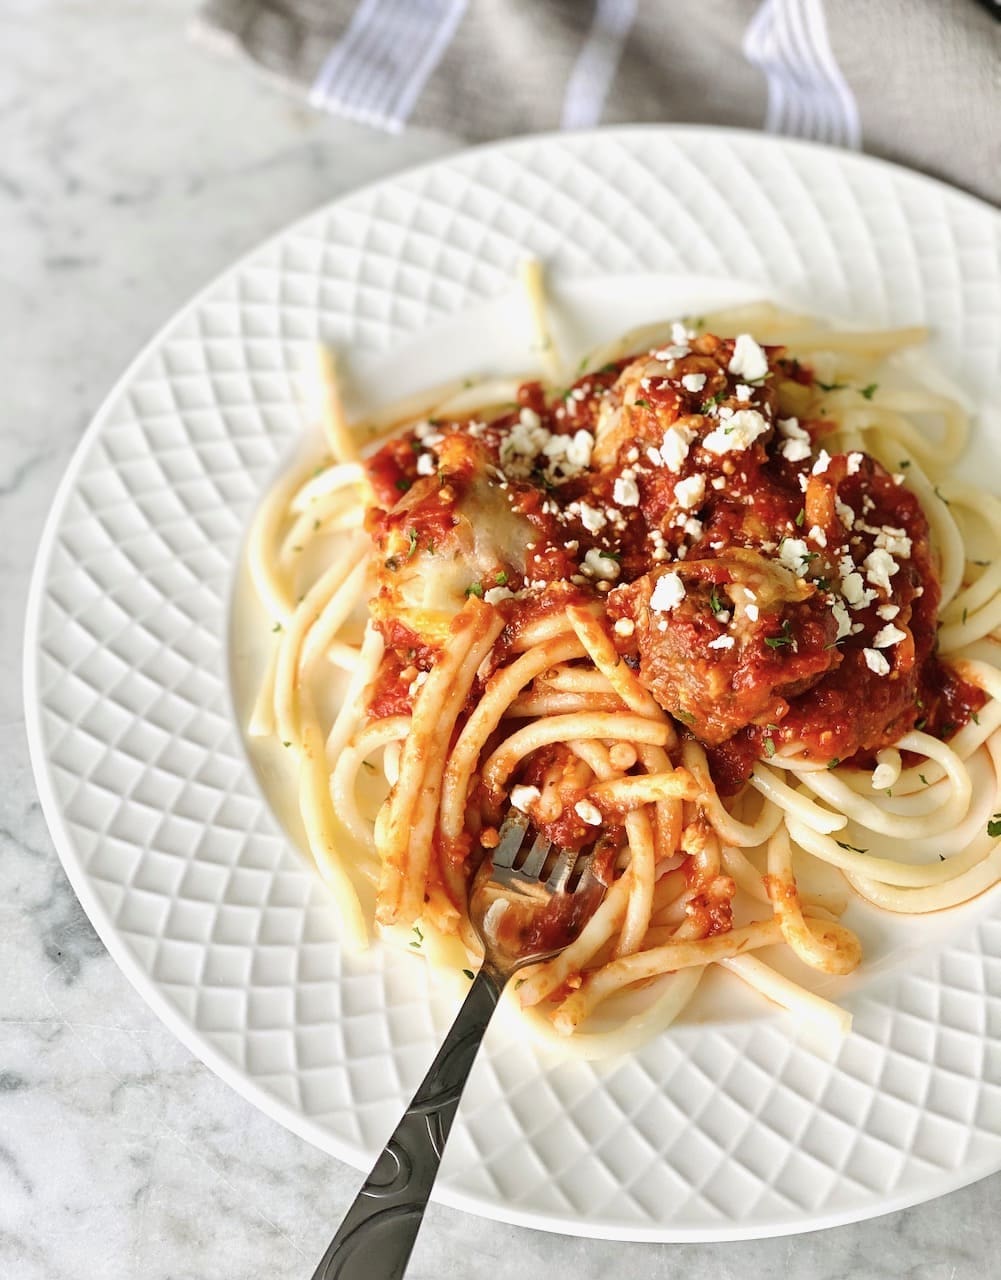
x=378 y=1232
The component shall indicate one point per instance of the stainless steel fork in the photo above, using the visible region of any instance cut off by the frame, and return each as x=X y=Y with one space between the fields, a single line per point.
x=377 y=1235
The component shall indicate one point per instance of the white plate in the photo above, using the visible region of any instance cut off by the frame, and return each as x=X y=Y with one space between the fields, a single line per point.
x=725 y=1128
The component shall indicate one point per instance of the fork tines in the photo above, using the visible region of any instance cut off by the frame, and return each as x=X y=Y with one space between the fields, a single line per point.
x=509 y=846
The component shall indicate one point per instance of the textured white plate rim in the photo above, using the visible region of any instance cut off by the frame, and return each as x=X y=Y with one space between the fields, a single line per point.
x=936 y=1183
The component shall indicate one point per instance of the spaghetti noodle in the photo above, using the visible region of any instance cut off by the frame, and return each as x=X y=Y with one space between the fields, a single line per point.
x=712 y=601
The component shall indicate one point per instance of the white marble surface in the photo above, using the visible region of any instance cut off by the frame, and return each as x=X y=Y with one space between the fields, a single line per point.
x=133 y=167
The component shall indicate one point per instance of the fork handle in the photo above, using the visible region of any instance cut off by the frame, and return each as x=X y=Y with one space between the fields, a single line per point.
x=375 y=1239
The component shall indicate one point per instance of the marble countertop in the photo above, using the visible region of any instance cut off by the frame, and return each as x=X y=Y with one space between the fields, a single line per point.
x=135 y=166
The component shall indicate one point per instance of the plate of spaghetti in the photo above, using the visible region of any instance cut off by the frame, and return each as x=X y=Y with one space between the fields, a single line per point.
x=489 y=488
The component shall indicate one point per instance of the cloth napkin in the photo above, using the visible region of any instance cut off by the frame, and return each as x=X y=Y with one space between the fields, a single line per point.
x=917 y=81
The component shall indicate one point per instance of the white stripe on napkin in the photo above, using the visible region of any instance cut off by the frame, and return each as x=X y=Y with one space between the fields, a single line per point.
x=808 y=97
x=596 y=65
x=377 y=69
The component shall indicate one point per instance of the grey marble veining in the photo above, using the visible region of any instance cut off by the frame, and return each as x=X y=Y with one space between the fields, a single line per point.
x=133 y=167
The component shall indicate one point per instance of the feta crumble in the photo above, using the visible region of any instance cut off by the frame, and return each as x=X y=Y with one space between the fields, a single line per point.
x=668 y=593
x=626 y=491
x=722 y=642
x=588 y=812
x=739 y=432
x=690 y=492
x=693 y=381
x=748 y=360
x=876 y=663
x=522 y=797
x=886 y=637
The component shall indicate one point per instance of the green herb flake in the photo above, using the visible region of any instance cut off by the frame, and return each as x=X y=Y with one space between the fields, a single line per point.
x=412 y=549
x=868 y=392
x=769 y=746
x=994 y=826
x=852 y=848
x=715 y=604
x=642 y=404
x=470 y=975
x=800 y=517
x=904 y=463
x=923 y=779
x=277 y=627
x=834 y=762
x=974 y=717
x=368 y=765
x=501 y=578
x=938 y=494
x=685 y=717
x=286 y=744
x=707 y=406
x=830 y=386
x=475 y=589
x=403 y=484
x=781 y=641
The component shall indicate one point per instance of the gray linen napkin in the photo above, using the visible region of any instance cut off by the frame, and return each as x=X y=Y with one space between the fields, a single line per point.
x=918 y=81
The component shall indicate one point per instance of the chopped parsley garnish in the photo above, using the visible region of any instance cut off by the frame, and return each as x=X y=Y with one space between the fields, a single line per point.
x=316 y=525
x=938 y=494
x=974 y=717
x=780 y=641
x=277 y=627
x=868 y=392
x=920 y=724
x=403 y=484
x=501 y=578
x=830 y=386
x=685 y=717
x=852 y=848
x=769 y=746
x=419 y=938
x=834 y=762
x=923 y=779
x=470 y=975
x=964 y=614
x=412 y=549
x=642 y=404
x=994 y=826
x=475 y=589
x=707 y=406
x=715 y=603
x=801 y=516
x=286 y=744
x=904 y=463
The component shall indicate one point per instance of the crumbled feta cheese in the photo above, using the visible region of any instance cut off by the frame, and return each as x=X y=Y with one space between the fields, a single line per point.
x=883 y=777
x=845 y=513
x=752 y=612
x=887 y=611
x=789 y=429
x=794 y=554
x=626 y=491
x=624 y=627
x=690 y=492
x=880 y=567
x=588 y=812
x=496 y=594
x=675 y=445
x=886 y=637
x=693 y=528
x=719 y=482
x=739 y=432
x=854 y=591
x=854 y=462
x=681 y=334
x=522 y=797
x=419 y=679
x=795 y=450
x=693 y=381
x=895 y=541
x=875 y=661
x=817 y=535
x=676 y=351
x=722 y=642
x=668 y=593
x=822 y=463
x=591 y=518
x=529 y=418
x=524 y=441
x=579 y=449
x=748 y=360
x=842 y=618
x=598 y=565
x=426 y=464
x=653 y=455
x=743 y=392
